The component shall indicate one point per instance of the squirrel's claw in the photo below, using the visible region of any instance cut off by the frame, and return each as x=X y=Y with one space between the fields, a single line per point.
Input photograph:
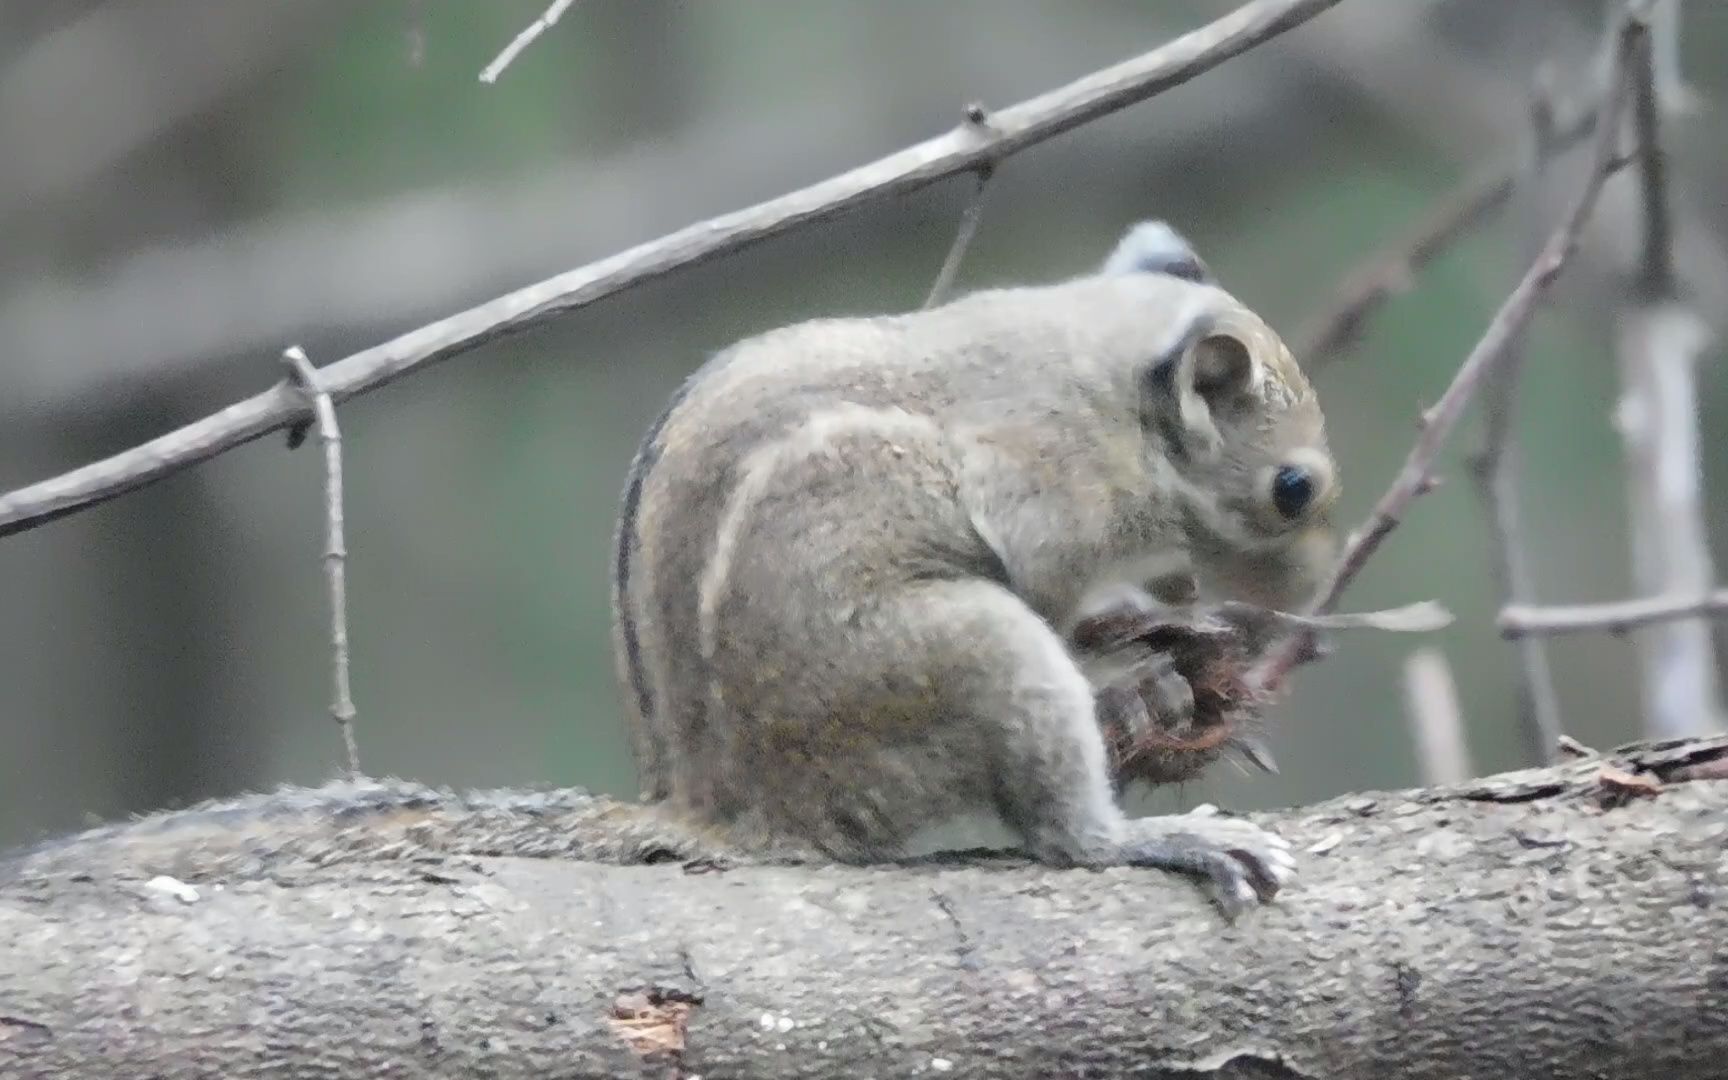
x=1237 y=862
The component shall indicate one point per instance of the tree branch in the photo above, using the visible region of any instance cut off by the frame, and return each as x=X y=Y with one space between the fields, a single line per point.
x=1392 y=272
x=969 y=218
x=1496 y=348
x=1410 y=912
x=1659 y=338
x=1497 y=469
x=545 y=22
x=962 y=150
x=1520 y=620
x=1656 y=273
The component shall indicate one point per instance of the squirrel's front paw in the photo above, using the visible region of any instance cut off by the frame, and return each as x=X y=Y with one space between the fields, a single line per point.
x=1237 y=862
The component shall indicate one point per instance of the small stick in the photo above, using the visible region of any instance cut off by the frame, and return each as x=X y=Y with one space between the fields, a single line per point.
x=1517 y=621
x=976 y=117
x=1436 y=719
x=962 y=238
x=1496 y=469
x=1507 y=327
x=524 y=39
x=1392 y=272
x=304 y=378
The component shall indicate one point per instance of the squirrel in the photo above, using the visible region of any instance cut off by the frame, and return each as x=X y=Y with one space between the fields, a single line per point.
x=851 y=561
x=853 y=551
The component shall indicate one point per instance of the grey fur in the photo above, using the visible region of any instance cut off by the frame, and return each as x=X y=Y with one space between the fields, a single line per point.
x=1154 y=247
x=851 y=550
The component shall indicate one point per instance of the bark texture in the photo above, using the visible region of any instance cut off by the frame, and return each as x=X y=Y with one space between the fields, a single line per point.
x=1567 y=922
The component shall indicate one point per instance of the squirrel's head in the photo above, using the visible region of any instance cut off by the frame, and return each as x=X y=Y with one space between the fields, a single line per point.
x=1225 y=408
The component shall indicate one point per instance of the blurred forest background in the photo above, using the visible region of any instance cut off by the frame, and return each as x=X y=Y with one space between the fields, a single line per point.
x=189 y=186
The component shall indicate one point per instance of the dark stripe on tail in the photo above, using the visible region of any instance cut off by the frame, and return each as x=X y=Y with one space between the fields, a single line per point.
x=647 y=456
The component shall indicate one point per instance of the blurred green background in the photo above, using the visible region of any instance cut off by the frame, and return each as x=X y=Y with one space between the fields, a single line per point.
x=188 y=186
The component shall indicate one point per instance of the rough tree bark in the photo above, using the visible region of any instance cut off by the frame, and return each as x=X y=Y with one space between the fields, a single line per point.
x=1565 y=922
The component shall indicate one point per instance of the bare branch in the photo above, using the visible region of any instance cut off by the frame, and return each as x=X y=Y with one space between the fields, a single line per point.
x=394 y=930
x=975 y=114
x=1437 y=721
x=1416 y=477
x=1496 y=348
x=526 y=38
x=1497 y=469
x=1615 y=618
x=1660 y=336
x=1656 y=274
x=181 y=304
x=1011 y=130
x=1392 y=272
x=304 y=378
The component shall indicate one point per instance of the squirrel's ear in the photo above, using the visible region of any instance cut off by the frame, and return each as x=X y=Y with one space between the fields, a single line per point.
x=1187 y=385
x=1153 y=247
x=1223 y=368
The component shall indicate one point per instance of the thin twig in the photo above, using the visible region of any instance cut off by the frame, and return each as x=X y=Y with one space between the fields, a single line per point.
x=962 y=150
x=968 y=222
x=1495 y=349
x=1614 y=618
x=524 y=39
x=1659 y=339
x=1431 y=696
x=1392 y=272
x=1507 y=328
x=303 y=378
x=1656 y=273
x=1497 y=468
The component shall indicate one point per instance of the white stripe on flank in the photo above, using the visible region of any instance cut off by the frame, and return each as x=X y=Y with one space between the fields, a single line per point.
x=815 y=435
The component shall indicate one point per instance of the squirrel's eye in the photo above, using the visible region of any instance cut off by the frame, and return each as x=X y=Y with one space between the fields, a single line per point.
x=1292 y=490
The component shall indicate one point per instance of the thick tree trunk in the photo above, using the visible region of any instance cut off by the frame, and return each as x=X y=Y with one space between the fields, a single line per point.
x=1552 y=923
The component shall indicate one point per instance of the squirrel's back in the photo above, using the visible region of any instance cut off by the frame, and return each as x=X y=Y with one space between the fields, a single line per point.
x=991 y=354
x=850 y=548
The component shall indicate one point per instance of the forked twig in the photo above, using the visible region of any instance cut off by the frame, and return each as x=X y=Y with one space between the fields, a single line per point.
x=1504 y=331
